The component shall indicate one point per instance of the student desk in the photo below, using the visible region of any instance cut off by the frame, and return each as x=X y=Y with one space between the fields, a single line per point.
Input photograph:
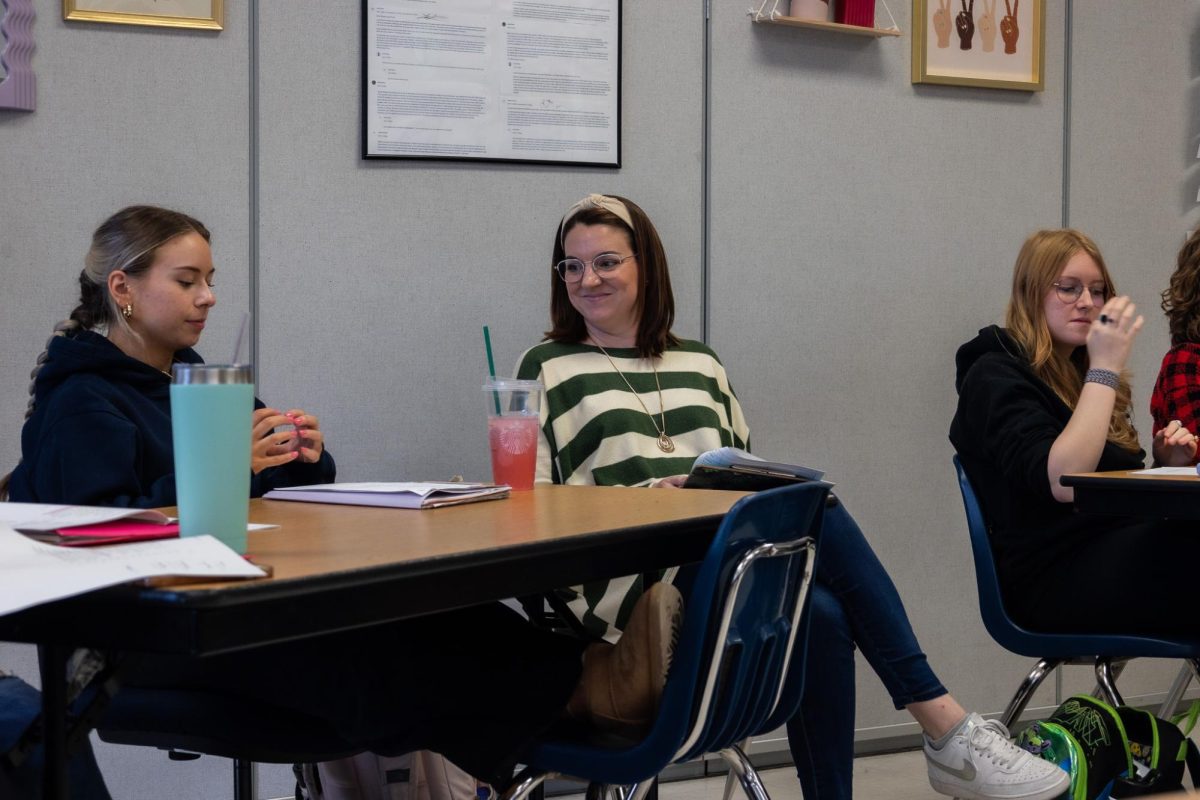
x=1129 y=494
x=338 y=567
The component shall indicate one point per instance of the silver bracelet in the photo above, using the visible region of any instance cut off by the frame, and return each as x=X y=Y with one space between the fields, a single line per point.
x=1105 y=377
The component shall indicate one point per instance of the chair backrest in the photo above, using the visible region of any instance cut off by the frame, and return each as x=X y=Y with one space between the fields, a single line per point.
x=991 y=606
x=740 y=633
x=1020 y=640
x=757 y=575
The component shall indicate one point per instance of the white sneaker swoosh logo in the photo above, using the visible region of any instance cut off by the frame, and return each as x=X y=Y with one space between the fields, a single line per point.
x=966 y=772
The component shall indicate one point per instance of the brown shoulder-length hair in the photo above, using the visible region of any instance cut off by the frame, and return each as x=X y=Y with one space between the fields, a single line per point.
x=655 y=300
x=1040 y=262
x=1181 y=299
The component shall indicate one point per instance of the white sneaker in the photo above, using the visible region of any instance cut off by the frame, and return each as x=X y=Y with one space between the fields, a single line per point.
x=980 y=763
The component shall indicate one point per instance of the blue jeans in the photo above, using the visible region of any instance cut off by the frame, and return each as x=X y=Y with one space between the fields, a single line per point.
x=853 y=602
x=19 y=704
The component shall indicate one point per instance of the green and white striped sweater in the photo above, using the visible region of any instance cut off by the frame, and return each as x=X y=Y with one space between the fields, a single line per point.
x=595 y=433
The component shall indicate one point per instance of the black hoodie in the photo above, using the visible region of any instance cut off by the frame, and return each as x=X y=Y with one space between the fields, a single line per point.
x=100 y=433
x=1006 y=422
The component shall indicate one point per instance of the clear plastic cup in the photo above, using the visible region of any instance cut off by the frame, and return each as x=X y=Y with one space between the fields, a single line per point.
x=513 y=421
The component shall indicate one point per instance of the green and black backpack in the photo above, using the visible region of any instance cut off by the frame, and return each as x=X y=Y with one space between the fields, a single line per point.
x=1113 y=752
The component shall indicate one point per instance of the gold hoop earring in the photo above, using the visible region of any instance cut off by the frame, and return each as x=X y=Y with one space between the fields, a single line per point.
x=127 y=311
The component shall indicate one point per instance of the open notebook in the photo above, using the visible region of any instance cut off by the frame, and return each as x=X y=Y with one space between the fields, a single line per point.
x=731 y=468
x=392 y=495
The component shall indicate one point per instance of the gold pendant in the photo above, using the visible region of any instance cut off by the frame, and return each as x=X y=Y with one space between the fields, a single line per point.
x=665 y=444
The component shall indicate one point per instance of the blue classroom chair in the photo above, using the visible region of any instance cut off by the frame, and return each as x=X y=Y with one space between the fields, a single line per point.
x=1108 y=652
x=741 y=629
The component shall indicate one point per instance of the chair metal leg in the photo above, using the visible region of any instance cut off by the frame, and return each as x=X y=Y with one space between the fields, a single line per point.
x=1107 y=673
x=526 y=782
x=643 y=790
x=730 y=777
x=746 y=774
x=1170 y=703
x=243 y=780
x=1028 y=686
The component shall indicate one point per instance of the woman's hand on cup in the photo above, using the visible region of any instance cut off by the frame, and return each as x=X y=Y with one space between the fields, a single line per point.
x=309 y=441
x=270 y=447
x=1174 y=445
x=1110 y=338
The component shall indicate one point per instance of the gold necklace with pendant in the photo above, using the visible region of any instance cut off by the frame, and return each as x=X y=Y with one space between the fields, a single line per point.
x=664 y=442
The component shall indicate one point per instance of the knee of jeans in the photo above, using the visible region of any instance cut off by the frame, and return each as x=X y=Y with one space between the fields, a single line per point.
x=829 y=626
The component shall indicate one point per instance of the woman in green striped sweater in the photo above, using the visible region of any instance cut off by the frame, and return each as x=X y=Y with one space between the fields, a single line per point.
x=630 y=404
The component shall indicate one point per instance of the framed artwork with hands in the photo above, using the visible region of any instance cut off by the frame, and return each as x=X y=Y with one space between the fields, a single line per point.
x=996 y=44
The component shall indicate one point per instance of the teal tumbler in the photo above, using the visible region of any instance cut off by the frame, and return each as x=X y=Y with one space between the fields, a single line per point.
x=211 y=410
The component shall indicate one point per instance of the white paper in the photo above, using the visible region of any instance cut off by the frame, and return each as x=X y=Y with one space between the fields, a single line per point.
x=33 y=573
x=497 y=79
x=1167 y=471
x=49 y=517
x=421 y=489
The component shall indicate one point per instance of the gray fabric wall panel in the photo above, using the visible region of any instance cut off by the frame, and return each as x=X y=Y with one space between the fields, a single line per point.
x=863 y=228
x=377 y=276
x=125 y=115
x=1134 y=122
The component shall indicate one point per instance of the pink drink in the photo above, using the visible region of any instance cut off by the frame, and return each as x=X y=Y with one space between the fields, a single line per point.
x=513 y=442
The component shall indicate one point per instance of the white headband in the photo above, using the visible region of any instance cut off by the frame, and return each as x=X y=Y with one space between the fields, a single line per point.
x=609 y=204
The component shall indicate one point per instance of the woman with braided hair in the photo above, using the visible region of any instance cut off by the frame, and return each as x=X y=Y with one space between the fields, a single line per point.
x=98 y=424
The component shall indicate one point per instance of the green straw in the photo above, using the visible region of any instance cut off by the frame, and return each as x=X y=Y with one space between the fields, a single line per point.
x=487 y=343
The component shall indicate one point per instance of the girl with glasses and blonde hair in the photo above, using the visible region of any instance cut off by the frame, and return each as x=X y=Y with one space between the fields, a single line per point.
x=628 y=403
x=1048 y=395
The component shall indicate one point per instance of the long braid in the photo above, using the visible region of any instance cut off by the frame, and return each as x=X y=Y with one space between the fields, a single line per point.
x=92 y=310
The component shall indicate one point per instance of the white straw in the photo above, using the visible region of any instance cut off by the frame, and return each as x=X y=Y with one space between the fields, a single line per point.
x=237 y=346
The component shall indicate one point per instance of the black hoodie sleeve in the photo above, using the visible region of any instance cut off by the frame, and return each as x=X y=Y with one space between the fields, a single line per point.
x=297 y=473
x=1005 y=419
x=91 y=458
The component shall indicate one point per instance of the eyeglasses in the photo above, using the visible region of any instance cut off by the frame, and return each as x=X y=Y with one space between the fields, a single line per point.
x=1071 y=292
x=571 y=270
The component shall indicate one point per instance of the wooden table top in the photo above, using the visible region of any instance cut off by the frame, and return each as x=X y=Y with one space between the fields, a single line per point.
x=1128 y=493
x=318 y=538
x=340 y=566
x=1190 y=482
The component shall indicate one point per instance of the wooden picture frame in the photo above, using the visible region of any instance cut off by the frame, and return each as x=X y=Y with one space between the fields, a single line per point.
x=995 y=44
x=197 y=14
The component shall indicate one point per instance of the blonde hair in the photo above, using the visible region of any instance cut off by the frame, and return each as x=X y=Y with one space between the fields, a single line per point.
x=126 y=241
x=1039 y=264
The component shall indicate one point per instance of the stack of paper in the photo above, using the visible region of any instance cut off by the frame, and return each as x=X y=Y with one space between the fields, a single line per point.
x=392 y=495
x=33 y=573
x=81 y=526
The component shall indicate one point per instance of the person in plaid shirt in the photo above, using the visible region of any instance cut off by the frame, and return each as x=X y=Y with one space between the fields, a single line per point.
x=1177 y=391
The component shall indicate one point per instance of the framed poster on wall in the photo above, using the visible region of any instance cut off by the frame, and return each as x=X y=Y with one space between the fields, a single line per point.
x=201 y=14
x=492 y=80
x=997 y=44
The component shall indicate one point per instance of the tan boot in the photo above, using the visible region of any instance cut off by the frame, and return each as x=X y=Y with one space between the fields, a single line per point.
x=621 y=684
